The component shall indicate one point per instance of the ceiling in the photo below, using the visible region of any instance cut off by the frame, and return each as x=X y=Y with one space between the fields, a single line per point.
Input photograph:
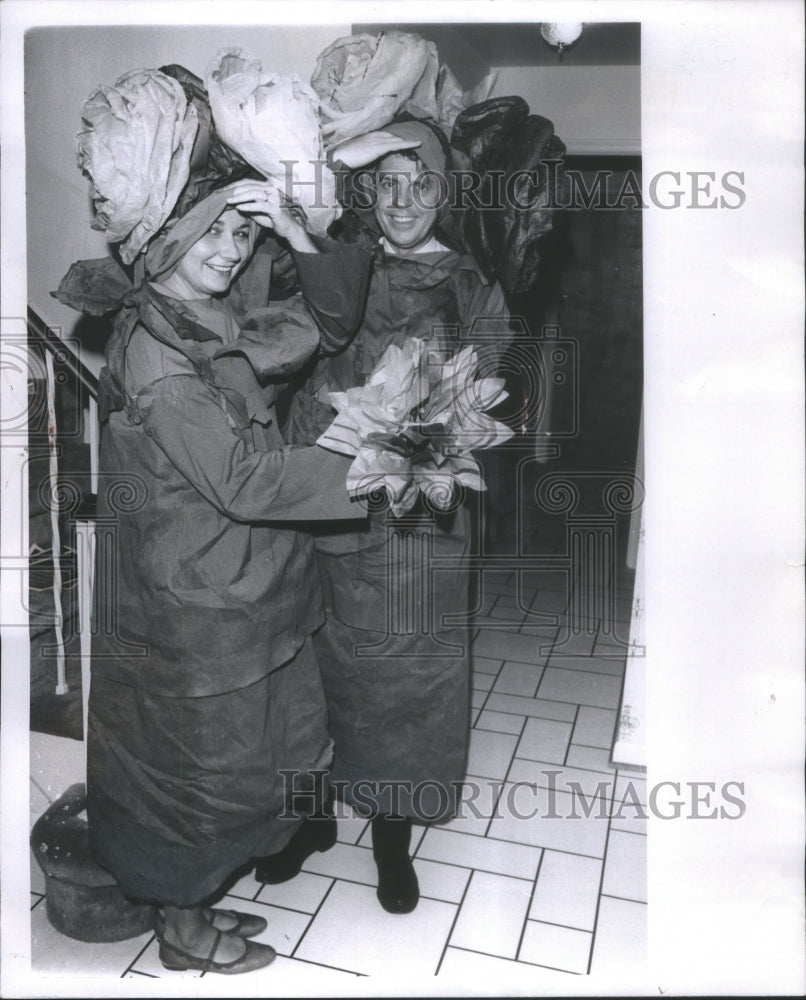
x=471 y=49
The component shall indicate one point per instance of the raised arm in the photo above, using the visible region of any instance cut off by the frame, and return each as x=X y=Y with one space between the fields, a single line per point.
x=334 y=277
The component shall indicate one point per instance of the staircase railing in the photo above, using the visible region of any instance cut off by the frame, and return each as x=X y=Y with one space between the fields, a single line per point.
x=58 y=351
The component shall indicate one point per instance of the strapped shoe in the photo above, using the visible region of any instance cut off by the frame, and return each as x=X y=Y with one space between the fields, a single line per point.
x=255 y=956
x=245 y=925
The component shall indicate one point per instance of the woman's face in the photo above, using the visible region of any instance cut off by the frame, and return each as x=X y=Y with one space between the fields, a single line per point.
x=211 y=265
x=404 y=194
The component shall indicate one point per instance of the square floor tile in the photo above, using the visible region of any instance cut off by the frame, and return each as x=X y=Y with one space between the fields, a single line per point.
x=55 y=953
x=625 y=866
x=567 y=890
x=496 y=577
x=581 y=688
x=571 y=643
x=506 y=612
x=478 y=699
x=441 y=881
x=483 y=853
x=482 y=603
x=615 y=645
x=499 y=585
x=548 y=579
x=291 y=977
x=576 y=781
x=490 y=754
x=352 y=931
x=556 y=947
x=518 y=678
x=304 y=892
x=621 y=938
x=492 y=914
x=628 y=820
x=545 y=739
x=417 y=834
x=485 y=664
x=589 y=664
x=482 y=682
x=534 y=707
x=349 y=824
x=630 y=788
x=500 y=722
x=284 y=977
x=496 y=626
x=285 y=927
x=508 y=646
x=550 y=601
x=148 y=964
x=556 y=821
x=521 y=602
x=345 y=861
x=594 y=758
x=595 y=727
x=476 y=806
x=503 y=976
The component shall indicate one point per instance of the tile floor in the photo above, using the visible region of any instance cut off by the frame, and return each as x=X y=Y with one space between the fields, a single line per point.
x=542 y=878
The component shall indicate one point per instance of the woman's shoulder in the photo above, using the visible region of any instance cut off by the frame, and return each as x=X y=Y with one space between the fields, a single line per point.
x=148 y=360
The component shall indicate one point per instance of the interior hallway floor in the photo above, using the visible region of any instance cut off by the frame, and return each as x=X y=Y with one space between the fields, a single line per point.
x=522 y=888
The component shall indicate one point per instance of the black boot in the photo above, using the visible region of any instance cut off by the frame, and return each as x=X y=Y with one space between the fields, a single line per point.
x=316 y=833
x=398 y=889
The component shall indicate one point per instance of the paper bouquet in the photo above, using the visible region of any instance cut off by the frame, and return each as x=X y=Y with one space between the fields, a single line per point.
x=414 y=425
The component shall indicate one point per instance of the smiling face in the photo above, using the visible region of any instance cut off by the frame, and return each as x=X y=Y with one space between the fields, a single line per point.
x=211 y=265
x=404 y=194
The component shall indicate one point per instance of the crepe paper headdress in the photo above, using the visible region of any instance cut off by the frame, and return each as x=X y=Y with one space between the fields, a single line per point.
x=132 y=134
x=213 y=164
x=151 y=152
x=135 y=148
x=365 y=81
x=273 y=123
x=503 y=143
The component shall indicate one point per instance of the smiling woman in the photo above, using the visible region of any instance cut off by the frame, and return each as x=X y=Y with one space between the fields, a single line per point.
x=204 y=680
x=211 y=264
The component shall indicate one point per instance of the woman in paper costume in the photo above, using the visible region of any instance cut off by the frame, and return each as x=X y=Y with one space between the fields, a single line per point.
x=204 y=678
x=394 y=652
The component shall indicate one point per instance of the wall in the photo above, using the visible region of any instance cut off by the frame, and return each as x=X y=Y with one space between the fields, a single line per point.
x=596 y=110
x=63 y=66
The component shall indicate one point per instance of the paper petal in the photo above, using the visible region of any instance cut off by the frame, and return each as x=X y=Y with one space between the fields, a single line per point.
x=363 y=80
x=272 y=122
x=135 y=148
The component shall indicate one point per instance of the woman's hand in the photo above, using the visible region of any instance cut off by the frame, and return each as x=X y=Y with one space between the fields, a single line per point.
x=266 y=204
x=368 y=148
